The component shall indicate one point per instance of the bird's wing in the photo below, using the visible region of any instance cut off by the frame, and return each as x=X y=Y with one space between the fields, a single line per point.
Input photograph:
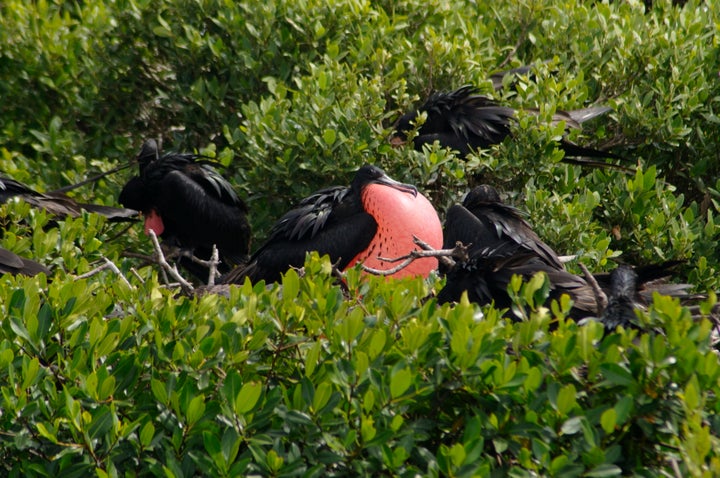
x=311 y=215
x=14 y=264
x=185 y=206
x=473 y=117
x=342 y=240
x=509 y=223
x=462 y=225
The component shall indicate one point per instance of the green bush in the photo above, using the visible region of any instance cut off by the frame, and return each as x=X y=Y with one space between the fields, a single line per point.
x=114 y=378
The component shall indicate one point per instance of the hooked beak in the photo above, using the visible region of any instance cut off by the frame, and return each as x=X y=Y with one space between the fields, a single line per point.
x=386 y=180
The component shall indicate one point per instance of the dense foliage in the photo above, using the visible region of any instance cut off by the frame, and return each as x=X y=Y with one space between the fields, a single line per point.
x=116 y=375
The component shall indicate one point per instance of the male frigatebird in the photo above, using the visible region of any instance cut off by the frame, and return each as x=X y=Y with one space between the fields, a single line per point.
x=375 y=217
x=187 y=203
x=465 y=121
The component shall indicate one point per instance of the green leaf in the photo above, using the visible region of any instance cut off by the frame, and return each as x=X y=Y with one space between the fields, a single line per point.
x=322 y=395
x=329 y=136
x=608 y=420
x=291 y=286
x=691 y=395
x=399 y=382
x=248 y=397
x=213 y=447
x=311 y=358
x=146 y=434
x=46 y=433
x=566 y=400
x=367 y=428
x=195 y=410
x=617 y=374
x=159 y=391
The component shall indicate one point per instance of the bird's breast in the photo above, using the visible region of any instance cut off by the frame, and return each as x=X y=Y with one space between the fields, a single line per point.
x=399 y=216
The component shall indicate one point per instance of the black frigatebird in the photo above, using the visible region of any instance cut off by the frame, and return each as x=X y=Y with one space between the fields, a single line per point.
x=503 y=244
x=187 y=203
x=11 y=263
x=58 y=204
x=465 y=121
x=500 y=224
x=498 y=252
x=374 y=217
x=488 y=272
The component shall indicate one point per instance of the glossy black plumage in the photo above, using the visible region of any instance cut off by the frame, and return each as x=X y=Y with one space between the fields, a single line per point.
x=500 y=224
x=503 y=244
x=487 y=274
x=464 y=121
x=58 y=204
x=11 y=263
x=189 y=205
x=493 y=262
x=331 y=221
x=623 y=299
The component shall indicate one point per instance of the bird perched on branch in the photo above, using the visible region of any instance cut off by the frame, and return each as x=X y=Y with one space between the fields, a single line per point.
x=374 y=218
x=503 y=244
x=188 y=204
x=465 y=121
x=485 y=221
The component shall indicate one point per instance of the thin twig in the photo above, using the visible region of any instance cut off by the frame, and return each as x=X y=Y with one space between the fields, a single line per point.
x=115 y=269
x=137 y=276
x=93 y=272
x=460 y=252
x=566 y=259
x=92 y=179
x=408 y=259
x=186 y=287
x=213 y=263
x=600 y=296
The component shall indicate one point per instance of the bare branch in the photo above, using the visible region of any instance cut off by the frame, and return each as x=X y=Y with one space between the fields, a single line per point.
x=600 y=296
x=459 y=252
x=186 y=287
x=107 y=265
x=211 y=264
x=115 y=269
x=93 y=272
x=137 y=276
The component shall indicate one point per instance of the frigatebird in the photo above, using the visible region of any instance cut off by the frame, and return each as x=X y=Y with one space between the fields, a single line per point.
x=501 y=243
x=11 y=263
x=498 y=252
x=374 y=218
x=486 y=276
x=188 y=204
x=465 y=121
x=485 y=221
x=58 y=204
x=623 y=299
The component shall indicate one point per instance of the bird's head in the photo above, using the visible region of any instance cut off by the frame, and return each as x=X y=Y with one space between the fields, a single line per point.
x=149 y=152
x=370 y=174
x=482 y=194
